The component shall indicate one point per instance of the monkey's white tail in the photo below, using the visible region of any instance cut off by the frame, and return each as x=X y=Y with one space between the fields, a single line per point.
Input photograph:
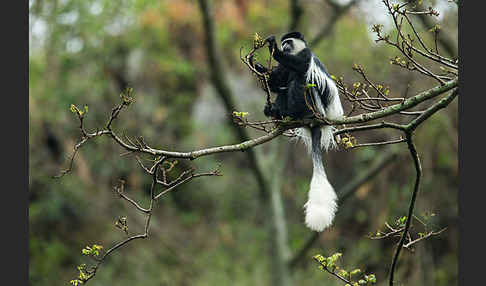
x=327 y=138
x=321 y=205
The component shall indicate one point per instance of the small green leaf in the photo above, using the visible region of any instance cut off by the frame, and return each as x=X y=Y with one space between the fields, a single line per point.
x=309 y=85
x=73 y=108
x=240 y=114
x=372 y=278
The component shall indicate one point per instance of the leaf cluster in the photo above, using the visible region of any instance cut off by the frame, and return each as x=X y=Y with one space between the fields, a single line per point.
x=329 y=264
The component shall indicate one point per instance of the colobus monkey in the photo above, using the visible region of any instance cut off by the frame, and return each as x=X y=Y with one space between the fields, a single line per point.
x=298 y=67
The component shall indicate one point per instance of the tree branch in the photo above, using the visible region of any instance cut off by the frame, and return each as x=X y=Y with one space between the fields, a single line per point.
x=281 y=127
x=418 y=169
x=338 y=11
x=449 y=45
x=296 y=12
x=221 y=85
x=433 y=109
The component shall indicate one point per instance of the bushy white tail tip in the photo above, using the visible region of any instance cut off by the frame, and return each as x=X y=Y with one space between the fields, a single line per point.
x=322 y=203
x=319 y=217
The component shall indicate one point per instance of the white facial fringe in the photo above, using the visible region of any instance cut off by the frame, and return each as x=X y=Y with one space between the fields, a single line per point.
x=299 y=45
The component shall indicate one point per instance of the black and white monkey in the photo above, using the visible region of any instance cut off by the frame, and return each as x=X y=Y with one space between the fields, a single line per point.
x=298 y=67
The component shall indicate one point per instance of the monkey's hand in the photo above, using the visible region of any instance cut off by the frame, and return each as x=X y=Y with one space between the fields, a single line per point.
x=270 y=39
x=270 y=110
x=256 y=65
x=272 y=43
x=267 y=110
x=250 y=59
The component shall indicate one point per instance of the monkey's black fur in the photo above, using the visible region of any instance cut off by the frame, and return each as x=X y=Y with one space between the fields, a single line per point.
x=288 y=80
x=301 y=82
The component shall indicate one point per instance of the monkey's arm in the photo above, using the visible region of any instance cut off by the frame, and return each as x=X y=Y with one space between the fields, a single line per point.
x=299 y=62
x=278 y=79
x=260 y=68
x=271 y=110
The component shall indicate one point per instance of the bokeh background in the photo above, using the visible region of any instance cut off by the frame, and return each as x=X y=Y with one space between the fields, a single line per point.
x=211 y=231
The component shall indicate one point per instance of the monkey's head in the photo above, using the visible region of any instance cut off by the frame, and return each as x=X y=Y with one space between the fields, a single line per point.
x=292 y=43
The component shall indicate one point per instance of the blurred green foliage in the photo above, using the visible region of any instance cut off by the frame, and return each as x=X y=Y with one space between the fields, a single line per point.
x=209 y=232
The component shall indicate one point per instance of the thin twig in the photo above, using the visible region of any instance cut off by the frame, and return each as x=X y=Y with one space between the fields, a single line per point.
x=418 y=169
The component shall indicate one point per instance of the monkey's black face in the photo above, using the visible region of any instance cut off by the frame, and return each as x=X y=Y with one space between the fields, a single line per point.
x=287 y=46
x=293 y=46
